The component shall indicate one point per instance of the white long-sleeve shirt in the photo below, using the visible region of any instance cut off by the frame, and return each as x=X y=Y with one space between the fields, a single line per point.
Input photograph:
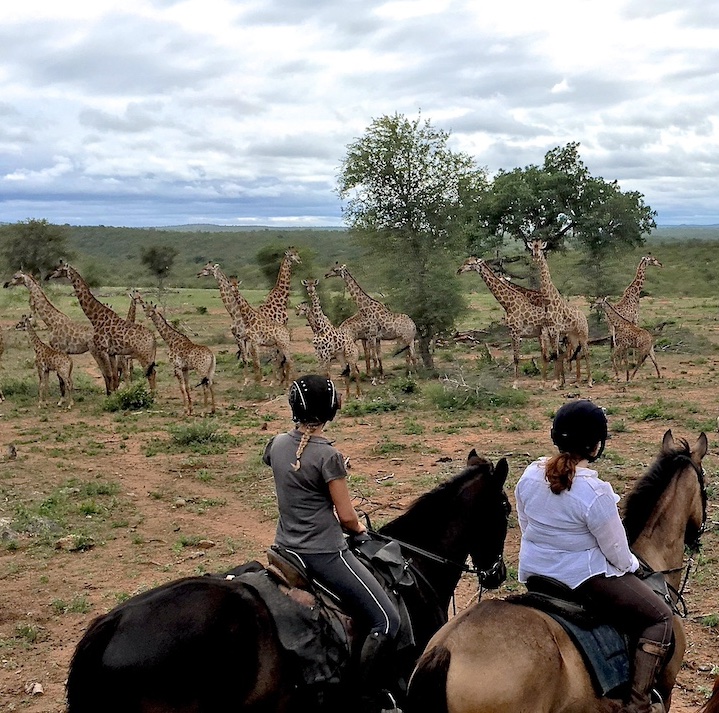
x=573 y=535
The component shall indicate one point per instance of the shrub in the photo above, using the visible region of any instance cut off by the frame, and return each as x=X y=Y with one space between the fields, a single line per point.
x=134 y=397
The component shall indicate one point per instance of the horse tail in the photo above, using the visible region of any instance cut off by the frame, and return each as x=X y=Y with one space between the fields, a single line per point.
x=428 y=685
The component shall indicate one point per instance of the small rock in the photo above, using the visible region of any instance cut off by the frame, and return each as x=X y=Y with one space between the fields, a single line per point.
x=206 y=544
x=34 y=688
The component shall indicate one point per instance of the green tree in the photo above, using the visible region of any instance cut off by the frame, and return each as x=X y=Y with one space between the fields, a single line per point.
x=563 y=204
x=34 y=246
x=158 y=259
x=407 y=198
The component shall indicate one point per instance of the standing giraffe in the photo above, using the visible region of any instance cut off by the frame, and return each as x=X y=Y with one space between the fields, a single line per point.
x=628 y=304
x=66 y=335
x=185 y=356
x=124 y=363
x=259 y=331
x=48 y=359
x=112 y=334
x=274 y=306
x=561 y=317
x=524 y=310
x=626 y=336
x=380 y=322
x=331 y=342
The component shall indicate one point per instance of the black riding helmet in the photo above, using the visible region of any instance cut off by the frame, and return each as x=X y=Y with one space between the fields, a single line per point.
x=313 y=399
x=577 y=428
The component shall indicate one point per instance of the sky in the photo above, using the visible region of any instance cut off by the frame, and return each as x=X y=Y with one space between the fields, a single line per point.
x=145 y=113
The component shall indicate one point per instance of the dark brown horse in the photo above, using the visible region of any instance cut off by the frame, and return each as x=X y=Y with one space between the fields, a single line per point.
x=208 y=645
x=498 y=657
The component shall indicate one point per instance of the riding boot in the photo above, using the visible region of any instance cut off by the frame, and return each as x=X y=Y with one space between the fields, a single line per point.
x=373 y=665
x=648 y=660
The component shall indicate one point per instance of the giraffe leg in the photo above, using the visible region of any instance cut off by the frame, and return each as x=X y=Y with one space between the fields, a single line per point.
x=103 y=363
x=188 y=394
x=654 y=361
x=43 y=385
x=70 y=389
x=516 y=342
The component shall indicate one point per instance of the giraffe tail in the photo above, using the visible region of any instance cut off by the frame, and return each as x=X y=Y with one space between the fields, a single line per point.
x=401 y=349
x=150 y=370
x=205 y=381
x=346 y=370
x=576 y=352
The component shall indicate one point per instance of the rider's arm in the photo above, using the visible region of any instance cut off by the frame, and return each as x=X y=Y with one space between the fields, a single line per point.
x=346 y=514
x=605 y=524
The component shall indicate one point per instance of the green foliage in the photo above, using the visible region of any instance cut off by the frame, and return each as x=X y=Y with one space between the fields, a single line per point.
x=134 y=397
x=34 y=246
x=481 y=391
x=405 y=194
x=205 y=431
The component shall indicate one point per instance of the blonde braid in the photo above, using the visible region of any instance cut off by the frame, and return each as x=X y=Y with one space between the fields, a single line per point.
x=306 y=435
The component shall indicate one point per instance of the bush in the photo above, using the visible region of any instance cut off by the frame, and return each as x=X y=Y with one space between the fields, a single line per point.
x=134 y=397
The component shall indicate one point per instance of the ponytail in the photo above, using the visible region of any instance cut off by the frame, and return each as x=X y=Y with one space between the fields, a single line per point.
x=560 y=470
x=306 y=435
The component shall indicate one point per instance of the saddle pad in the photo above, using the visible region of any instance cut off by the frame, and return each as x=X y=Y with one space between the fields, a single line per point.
x=604 y=652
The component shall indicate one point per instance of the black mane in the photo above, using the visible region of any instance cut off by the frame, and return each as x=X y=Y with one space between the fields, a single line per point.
x=641 y=501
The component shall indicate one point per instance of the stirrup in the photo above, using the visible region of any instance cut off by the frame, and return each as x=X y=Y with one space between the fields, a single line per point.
x=392 y=703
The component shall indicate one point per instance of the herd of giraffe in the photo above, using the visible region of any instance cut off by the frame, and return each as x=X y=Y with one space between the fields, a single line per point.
x=546 y=315
x=114 y=342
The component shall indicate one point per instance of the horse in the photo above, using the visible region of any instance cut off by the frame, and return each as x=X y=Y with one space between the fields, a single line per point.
x=499 y=657
x=207 y=644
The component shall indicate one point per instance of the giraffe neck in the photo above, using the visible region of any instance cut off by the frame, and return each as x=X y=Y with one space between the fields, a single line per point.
x=280 y=293
x=92 y=307
x=548 y=288
x=228 y=295
x=361 y=298
x=132 y=311
x=318 y=320
x=633 y=290
x=171 y=336
x=49 y=314
x=34 y=339
x=504 y=293
x=248 y=314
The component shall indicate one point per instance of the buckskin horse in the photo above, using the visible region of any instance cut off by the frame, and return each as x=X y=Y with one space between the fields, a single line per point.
x=498 y=657
x=208 y=644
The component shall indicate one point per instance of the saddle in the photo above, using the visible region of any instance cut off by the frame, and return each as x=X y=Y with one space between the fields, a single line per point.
x=605 y=650
x=310 y=622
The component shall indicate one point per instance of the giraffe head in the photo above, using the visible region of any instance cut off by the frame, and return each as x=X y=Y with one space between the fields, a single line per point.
x=62 y=270
x=302 y=309
x=24 y=323
x=17 y=279
x=310 y=286
x=471 y=263
x=292 y=255
x=537 y=248
x=651 y=260
x=337 y=271
x=135 y=296
x=210 y=270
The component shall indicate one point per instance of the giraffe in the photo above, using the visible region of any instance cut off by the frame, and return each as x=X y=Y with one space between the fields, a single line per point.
x=48 y=359
x=331 y=342
x=357 y=327
x=259 y=331
x=124 y=363
x=628 y=304
x=185 y=356
x=379 y=321
x=274 y=306
x=112 y=334
x=524 y=310
x=561 y=317
x=66 y=335
x=626 y=336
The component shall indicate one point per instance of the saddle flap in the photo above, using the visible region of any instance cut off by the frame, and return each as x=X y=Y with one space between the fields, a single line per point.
x=293 y=575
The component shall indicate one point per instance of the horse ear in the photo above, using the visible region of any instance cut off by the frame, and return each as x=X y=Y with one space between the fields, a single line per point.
x=700 y=448
x=473 y=457
x=668 y=441
x=501 y=470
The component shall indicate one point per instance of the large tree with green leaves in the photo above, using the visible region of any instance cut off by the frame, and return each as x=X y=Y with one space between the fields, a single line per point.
x=407 y=195
x=34 y=246
x=562 y=203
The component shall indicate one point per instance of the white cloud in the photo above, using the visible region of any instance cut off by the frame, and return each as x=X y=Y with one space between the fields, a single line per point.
x=144 y=111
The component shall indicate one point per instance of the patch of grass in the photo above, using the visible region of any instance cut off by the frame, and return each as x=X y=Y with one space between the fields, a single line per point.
x=135 y=397
x=710 y=620
x=381 y=404
x=77 y=605
x=203 y=437
x=483 y=392
x=388 y=447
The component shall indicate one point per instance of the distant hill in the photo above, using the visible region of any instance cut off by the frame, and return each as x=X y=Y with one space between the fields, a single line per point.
x=211 y=228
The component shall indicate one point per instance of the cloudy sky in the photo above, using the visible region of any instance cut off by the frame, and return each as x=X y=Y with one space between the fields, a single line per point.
x=239 y=112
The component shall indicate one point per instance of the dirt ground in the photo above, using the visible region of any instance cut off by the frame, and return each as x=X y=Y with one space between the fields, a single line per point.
x=172 y=513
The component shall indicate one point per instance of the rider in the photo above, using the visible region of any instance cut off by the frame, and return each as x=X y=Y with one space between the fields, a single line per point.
x=572 y=532
x=315 y=510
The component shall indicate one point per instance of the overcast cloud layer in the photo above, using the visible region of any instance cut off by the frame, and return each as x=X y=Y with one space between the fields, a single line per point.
x=239 y=112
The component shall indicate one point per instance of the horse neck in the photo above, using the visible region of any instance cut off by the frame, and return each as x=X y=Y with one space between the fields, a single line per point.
x=661 y=542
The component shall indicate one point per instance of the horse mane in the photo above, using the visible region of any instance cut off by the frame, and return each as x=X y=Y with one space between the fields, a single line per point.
x=641 y=501
x=443 y=498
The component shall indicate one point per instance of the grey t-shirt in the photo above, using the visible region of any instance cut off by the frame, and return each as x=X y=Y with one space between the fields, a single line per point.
x=307 y=521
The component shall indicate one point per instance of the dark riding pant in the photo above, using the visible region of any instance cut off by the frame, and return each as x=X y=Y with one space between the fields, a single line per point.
x=631 y=605
x=345 y=577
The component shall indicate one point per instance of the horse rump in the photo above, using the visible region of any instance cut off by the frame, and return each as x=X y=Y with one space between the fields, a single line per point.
x=428 y=683
x=199 y=644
